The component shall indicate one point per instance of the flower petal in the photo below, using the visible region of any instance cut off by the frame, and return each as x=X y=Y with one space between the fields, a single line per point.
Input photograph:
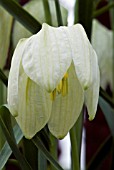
x=13 y=78
x=34 y=107
x=81 y=51
x=47 y=56
x=92 y=93
x=66 y=110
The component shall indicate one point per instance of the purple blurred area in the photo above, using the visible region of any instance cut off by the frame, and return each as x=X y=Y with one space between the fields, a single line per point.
x=22 y=2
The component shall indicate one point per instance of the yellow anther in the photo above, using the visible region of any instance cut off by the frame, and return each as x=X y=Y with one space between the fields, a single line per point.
x=53 y=95
x=65 y=76
x=64 y=86
x=59 y=87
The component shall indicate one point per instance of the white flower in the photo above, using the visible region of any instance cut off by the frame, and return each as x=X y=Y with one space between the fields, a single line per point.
x=50 y=74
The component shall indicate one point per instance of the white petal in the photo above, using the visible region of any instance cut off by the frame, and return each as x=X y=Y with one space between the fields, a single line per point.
x=81 y=51
x=34 y=107
x=13 y=78
x=92 y=93
x=47 y=56
x=66 y=110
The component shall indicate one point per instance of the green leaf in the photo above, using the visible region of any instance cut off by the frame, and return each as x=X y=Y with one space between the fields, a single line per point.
x=108 y=113
x=3 y=77
x=6 y=126
x=6 y=150
x=21 y=15
x=37 y=141
x=5 y=31
x=42 y=162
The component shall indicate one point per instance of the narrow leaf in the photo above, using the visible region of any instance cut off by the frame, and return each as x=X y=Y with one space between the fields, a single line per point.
x=6 y=150
x=108 y=113
x=6 y=127
x=37 y=141
x=21 y=15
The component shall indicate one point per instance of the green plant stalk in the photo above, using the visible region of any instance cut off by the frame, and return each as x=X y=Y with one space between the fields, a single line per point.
x=78 y=128
x=37 y=141
x=21 y=15
x=103 y=10
x=74 y=150
x=85 y=15
x=58 y=13
x=76 y=12
x=47 y=12
x=53 y=149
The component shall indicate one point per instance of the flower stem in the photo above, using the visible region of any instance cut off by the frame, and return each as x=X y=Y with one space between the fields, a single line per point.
x=103 y=10
x=58 y=12
x=53 y=149
x=74 y=151
x=47 y=12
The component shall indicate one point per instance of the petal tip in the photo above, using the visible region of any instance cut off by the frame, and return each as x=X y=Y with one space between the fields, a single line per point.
x=91 y=117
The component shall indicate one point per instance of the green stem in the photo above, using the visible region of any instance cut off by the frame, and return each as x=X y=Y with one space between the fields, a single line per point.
x=74 y=150
x=76 y=12
x=53 y=149
x=21 y=15
x=103 y=10
x=78 y=127
x=47 y=12
x=85 y=15
x=58 y=12
x=3 y=77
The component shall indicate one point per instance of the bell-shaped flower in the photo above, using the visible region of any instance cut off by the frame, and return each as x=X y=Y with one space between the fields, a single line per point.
x=51 y=74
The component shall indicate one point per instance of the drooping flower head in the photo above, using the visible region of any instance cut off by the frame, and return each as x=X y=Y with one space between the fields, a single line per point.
x=51 y=74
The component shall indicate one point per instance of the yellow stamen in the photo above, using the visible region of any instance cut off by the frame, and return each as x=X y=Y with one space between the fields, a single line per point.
x=61 y=88
x=64 y=86
x=65 y=76
x=53 y=95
